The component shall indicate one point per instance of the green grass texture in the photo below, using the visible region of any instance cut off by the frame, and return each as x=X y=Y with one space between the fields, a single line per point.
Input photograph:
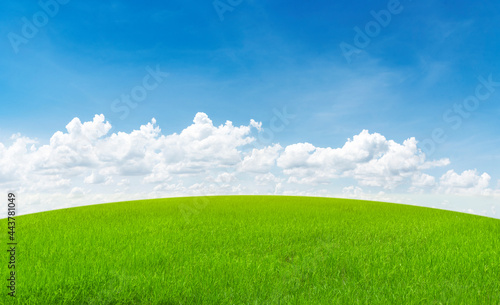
x=254 y=250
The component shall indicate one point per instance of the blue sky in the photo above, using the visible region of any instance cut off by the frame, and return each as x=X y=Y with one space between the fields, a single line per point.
x=261 y=57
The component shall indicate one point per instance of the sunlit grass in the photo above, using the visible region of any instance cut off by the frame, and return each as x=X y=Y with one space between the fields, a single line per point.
x=256 y=250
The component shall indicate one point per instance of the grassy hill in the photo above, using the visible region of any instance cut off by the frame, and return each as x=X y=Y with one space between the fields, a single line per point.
x=256 y=250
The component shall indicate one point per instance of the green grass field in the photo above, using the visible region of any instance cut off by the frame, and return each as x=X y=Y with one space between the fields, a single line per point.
x=255 y=250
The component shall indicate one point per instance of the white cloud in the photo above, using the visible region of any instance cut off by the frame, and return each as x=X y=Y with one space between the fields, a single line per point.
x=225 y=178
x=267 y=179
x=97 y=178
x=14 y=160
x=72 y=150
x=88 y=163
x=296 y=155
x=261 y=160
x=88 y=149
x=371 y=159
x=469 y=182
x=203 y=146
x=124 y=182
x=278 y=189
x=352 y=191
x=257 y=125
x=47 y=183
x=421 y=180
x=77 y=192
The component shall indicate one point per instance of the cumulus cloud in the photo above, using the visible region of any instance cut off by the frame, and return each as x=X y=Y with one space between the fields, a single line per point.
x=469 y=182
x=267 y=179
x=352 y=191
x=371 y=159
x=225 y=178
x=202 y=146
x=88 y=162
x=14 y=159
x=74 y=149
x=77 y=192
x=422 y=180
x=261 y=160
x=97 y=178
x=89 y=148
x=257 y=125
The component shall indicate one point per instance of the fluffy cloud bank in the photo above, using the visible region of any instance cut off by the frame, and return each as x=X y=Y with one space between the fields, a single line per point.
x=468 y=182
x=88 y=162
x=370 y=159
